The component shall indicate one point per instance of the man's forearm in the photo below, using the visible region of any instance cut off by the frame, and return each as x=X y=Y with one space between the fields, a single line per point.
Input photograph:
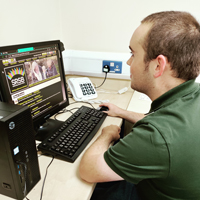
x=99 y=146
x=130 y=116
x=93 y=167
x=115 y=111
x=87 y=165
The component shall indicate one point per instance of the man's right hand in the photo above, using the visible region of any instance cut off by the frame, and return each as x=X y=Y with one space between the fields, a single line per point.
x=114 y=111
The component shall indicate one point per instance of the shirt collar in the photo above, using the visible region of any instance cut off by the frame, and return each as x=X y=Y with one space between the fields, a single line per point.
x=172 y=95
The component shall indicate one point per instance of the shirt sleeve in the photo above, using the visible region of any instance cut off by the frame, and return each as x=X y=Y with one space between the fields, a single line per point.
x=142 y=154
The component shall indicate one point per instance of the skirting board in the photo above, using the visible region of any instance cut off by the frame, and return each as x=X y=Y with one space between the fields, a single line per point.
x=87 y=63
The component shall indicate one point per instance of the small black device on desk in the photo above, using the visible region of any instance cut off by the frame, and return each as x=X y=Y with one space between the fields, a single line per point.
x=70 y=139
x=103 y=108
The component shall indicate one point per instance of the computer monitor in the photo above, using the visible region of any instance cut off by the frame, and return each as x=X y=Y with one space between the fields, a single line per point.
x=33 y=75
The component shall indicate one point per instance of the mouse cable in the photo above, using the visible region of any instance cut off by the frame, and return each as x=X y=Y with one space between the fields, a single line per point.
x=65 y=110
x=45 y=178
x=61 y=112
x=103 y=81
x=82 y=102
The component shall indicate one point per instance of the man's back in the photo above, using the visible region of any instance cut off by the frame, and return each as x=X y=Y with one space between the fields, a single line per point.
x=178 y=122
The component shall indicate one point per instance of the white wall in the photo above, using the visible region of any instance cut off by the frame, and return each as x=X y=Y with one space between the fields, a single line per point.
x=25 y=21
x=87 y=25
x=89 y=63
x=91 y=30
x=107 y=25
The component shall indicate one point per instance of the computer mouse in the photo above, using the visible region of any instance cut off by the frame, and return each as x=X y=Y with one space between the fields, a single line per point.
x=104 y=108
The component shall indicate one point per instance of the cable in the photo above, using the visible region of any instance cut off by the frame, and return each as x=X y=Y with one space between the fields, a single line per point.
x=107 y=91
x=103 y=81
x=83 y=102
x=45 y=177
x=63 y=111
x=74 y=108
x=69 y=93
x=37 y=144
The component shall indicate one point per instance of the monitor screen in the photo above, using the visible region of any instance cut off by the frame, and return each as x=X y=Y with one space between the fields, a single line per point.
x=33 y=75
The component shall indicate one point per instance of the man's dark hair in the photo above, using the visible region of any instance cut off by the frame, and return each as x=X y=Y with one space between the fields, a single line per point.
x=175 y=35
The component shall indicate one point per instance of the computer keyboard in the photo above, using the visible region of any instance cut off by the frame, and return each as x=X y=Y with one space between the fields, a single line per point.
x=69 y=140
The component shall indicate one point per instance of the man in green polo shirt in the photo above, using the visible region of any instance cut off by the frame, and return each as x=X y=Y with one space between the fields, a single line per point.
x=161 y=155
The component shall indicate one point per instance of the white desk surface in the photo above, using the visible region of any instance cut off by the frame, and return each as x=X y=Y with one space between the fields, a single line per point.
x=139 y=103
x=63 y=181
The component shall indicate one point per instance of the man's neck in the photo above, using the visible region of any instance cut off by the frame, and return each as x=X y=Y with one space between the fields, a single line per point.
x=162 y=87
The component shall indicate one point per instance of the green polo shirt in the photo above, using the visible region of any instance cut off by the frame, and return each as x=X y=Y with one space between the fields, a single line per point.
x=162 y=152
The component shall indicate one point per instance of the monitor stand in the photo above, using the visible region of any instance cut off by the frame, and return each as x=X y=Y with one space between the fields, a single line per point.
x=47 y=128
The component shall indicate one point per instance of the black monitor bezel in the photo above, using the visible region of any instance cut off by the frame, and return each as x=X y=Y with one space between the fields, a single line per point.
x=38 y=121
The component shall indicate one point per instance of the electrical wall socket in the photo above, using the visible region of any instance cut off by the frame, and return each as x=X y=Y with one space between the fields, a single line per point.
x=115 y=66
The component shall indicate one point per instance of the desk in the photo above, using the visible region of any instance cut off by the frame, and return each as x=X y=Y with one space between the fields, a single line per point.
x=63 y=181
x=139 y=103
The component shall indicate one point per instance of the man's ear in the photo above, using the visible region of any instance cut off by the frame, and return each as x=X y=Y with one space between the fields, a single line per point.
x=161 y=64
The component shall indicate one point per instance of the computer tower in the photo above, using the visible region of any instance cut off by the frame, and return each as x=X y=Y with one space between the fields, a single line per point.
x=19 y=167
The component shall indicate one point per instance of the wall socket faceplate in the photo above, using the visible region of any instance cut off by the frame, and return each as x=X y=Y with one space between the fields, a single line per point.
x=115 y=66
